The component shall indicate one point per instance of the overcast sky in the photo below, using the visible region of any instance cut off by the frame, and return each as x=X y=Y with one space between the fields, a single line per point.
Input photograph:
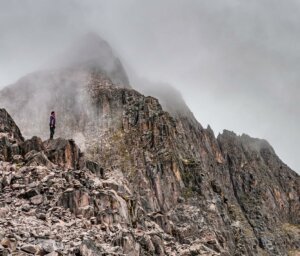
x=235 y=62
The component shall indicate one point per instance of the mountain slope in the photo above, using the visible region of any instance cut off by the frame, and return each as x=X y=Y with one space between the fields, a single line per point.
x=201 y=195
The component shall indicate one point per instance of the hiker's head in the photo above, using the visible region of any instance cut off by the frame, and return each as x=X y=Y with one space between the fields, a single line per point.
x=52 y=113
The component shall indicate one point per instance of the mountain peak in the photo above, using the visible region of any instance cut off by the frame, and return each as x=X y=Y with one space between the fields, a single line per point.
x=92 y=53
x=149 y=182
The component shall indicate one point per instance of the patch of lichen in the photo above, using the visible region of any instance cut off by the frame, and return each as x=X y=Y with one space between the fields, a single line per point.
x=261 y=252
x=294 y=253
x=187 y=176
x=117 y=136
x=192 y=179
x=235 y=213
x=248 y=232
x=291 y=229
x=111 y=149
x=188 y=193
x=19 y=165
x=119 y=147
x=189 y=162
x=92 y=152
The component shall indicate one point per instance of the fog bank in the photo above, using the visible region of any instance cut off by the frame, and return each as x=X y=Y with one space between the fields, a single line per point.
x=235 y=62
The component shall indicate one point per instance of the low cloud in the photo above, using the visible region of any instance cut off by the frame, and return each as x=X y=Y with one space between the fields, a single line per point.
x=236 y=63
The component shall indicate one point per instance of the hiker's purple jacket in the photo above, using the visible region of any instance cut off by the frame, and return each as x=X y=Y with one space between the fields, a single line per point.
x=52 y=121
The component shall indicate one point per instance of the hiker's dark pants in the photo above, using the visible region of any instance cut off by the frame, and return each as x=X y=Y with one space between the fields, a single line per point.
x=52 y=130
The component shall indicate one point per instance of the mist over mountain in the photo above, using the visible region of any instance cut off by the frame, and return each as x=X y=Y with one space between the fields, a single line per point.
x=131 y=176
x=235 y=64
x=64 y=84
x=91 y=52
x=131 y=169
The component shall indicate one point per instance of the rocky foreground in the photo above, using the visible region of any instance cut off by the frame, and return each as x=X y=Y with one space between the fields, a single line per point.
x=55 y=202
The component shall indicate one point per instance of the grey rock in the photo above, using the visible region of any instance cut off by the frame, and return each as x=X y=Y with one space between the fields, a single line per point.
x=88 y=248
x=35 y=143
x=37 y=200
x=29 y=248
x=48 y=246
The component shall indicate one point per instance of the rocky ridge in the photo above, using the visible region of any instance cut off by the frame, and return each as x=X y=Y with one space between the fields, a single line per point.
x=55 y=202
x=156 y=191
x=145 y=182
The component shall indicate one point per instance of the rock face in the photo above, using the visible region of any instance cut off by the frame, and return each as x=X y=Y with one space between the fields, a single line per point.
x=148 y=184
x=10 y=136
x=68 y=206
x=145 y=182
x=265 y=188
x=8 y=127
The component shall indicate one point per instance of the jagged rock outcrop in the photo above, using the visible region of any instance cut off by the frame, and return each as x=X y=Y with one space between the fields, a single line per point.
x=64 y=153
x=63 y=209
x=158 y=192
x=169 y=97
x=10 y=136
x=145 y=182
x=265 y=188
x=8 y=127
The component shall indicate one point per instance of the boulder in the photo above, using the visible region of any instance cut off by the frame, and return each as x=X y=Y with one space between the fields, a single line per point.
x=37 y=200
x=29 y=248
x=9 y=243
x=28 y=193
x=53 y=254
x=3 y=251
x=64 y=153
x=7 y=125
x=94 y=168
x=17 y=159
x=38 y=159
x=5 y=148
x=88 y=248
x=35 y=143
x=49 y=246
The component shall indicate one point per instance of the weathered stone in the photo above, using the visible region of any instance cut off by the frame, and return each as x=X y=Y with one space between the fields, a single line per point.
x=9 y=244
x=41 y=216
x=30 y=155
x=18 y=159
x=53 y=254
x=64 y=153
x=39 y=159
x=48 y=246
x=37 y=200
x=29 y=193
x=26 y=207
x=88 y=248
x=158 y=244
x=3 y=251
x=94 y=168
x=5 y=149
x=35 y=143
x=7 y=125
x=29 y=248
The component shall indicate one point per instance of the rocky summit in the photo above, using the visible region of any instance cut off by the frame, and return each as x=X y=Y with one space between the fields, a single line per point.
x=126 y=177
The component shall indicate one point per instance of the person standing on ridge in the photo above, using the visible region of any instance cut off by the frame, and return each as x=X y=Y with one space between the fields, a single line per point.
x=52 y=125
